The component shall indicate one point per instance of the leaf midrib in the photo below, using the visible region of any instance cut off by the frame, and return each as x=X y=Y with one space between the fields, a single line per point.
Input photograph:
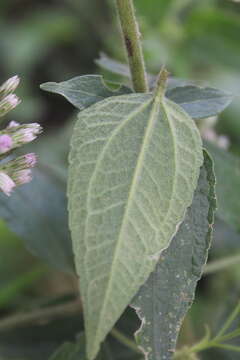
x=131 y=191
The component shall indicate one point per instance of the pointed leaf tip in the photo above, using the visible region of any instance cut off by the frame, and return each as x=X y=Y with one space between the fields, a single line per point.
x=161 y=84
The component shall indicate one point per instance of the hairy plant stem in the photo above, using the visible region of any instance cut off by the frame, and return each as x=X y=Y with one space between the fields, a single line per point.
x=131 y=36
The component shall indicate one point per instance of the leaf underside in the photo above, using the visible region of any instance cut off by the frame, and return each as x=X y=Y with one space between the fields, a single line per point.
x=134 y=166
x=83 y=91
x=165 y=298
x=198 y=102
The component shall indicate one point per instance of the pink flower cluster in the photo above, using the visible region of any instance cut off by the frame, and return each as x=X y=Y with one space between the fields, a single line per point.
x=18 y=171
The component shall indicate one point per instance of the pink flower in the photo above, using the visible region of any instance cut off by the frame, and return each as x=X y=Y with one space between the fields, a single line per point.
x=22 y=176
x=10 y=85
x=8 y=103
x=13 y=124
x=31 y=159
x=6 y=183
x=28 y=132
x=5 y=143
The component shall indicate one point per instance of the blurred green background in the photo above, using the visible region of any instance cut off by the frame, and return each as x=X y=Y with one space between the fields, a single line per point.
x=52 y=40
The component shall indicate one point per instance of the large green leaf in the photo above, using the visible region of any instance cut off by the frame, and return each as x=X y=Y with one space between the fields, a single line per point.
x=134 y=165
x=227 y=168
x=83 y=91
x=200 y=102
x=165 y=298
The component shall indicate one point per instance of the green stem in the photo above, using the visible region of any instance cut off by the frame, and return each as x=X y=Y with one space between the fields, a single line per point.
x=39 y=315
x=229 y=322
x=125 y=340
x=221 y=264
x=228 y=347
x=131 y=35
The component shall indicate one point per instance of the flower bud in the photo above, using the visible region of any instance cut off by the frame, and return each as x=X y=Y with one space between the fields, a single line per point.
x=20 y=163
x=28 y=133
x=8 y=103
x=6 y=143
x=9 y=86
x=6 y=183
x=13 y=124
x=21 y=177
x=30 y=159
x=22 y=134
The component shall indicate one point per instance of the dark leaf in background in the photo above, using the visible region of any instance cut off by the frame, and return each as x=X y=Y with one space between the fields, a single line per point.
x=76 y=351
x=200 y=102
x=227 y=168
x=71 y=351
x=226 y=240
x=38 y=341
x=165 y=298
x=37 y=212
x=121 y=69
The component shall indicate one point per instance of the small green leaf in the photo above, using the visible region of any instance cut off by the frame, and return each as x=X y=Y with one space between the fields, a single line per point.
x=83 y=91
x=165 y=298
x=77 y=351
x=71 y=351
x=134 y=166
x=200 y=102
x=227 y=168
x=113 y=66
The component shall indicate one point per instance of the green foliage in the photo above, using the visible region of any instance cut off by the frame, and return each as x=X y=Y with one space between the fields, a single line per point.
x=77 y=351
x=83 y=91
x=117 y=143
x=37 y=341
x=227 y=186
x=50 y=41
x=167 y=295
x=37 y=220
x=70 y=351
x=217 y=341
x=200 y=102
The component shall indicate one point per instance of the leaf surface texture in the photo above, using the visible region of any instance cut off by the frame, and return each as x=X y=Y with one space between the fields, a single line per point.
x=165 y=298
x=134 y=166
